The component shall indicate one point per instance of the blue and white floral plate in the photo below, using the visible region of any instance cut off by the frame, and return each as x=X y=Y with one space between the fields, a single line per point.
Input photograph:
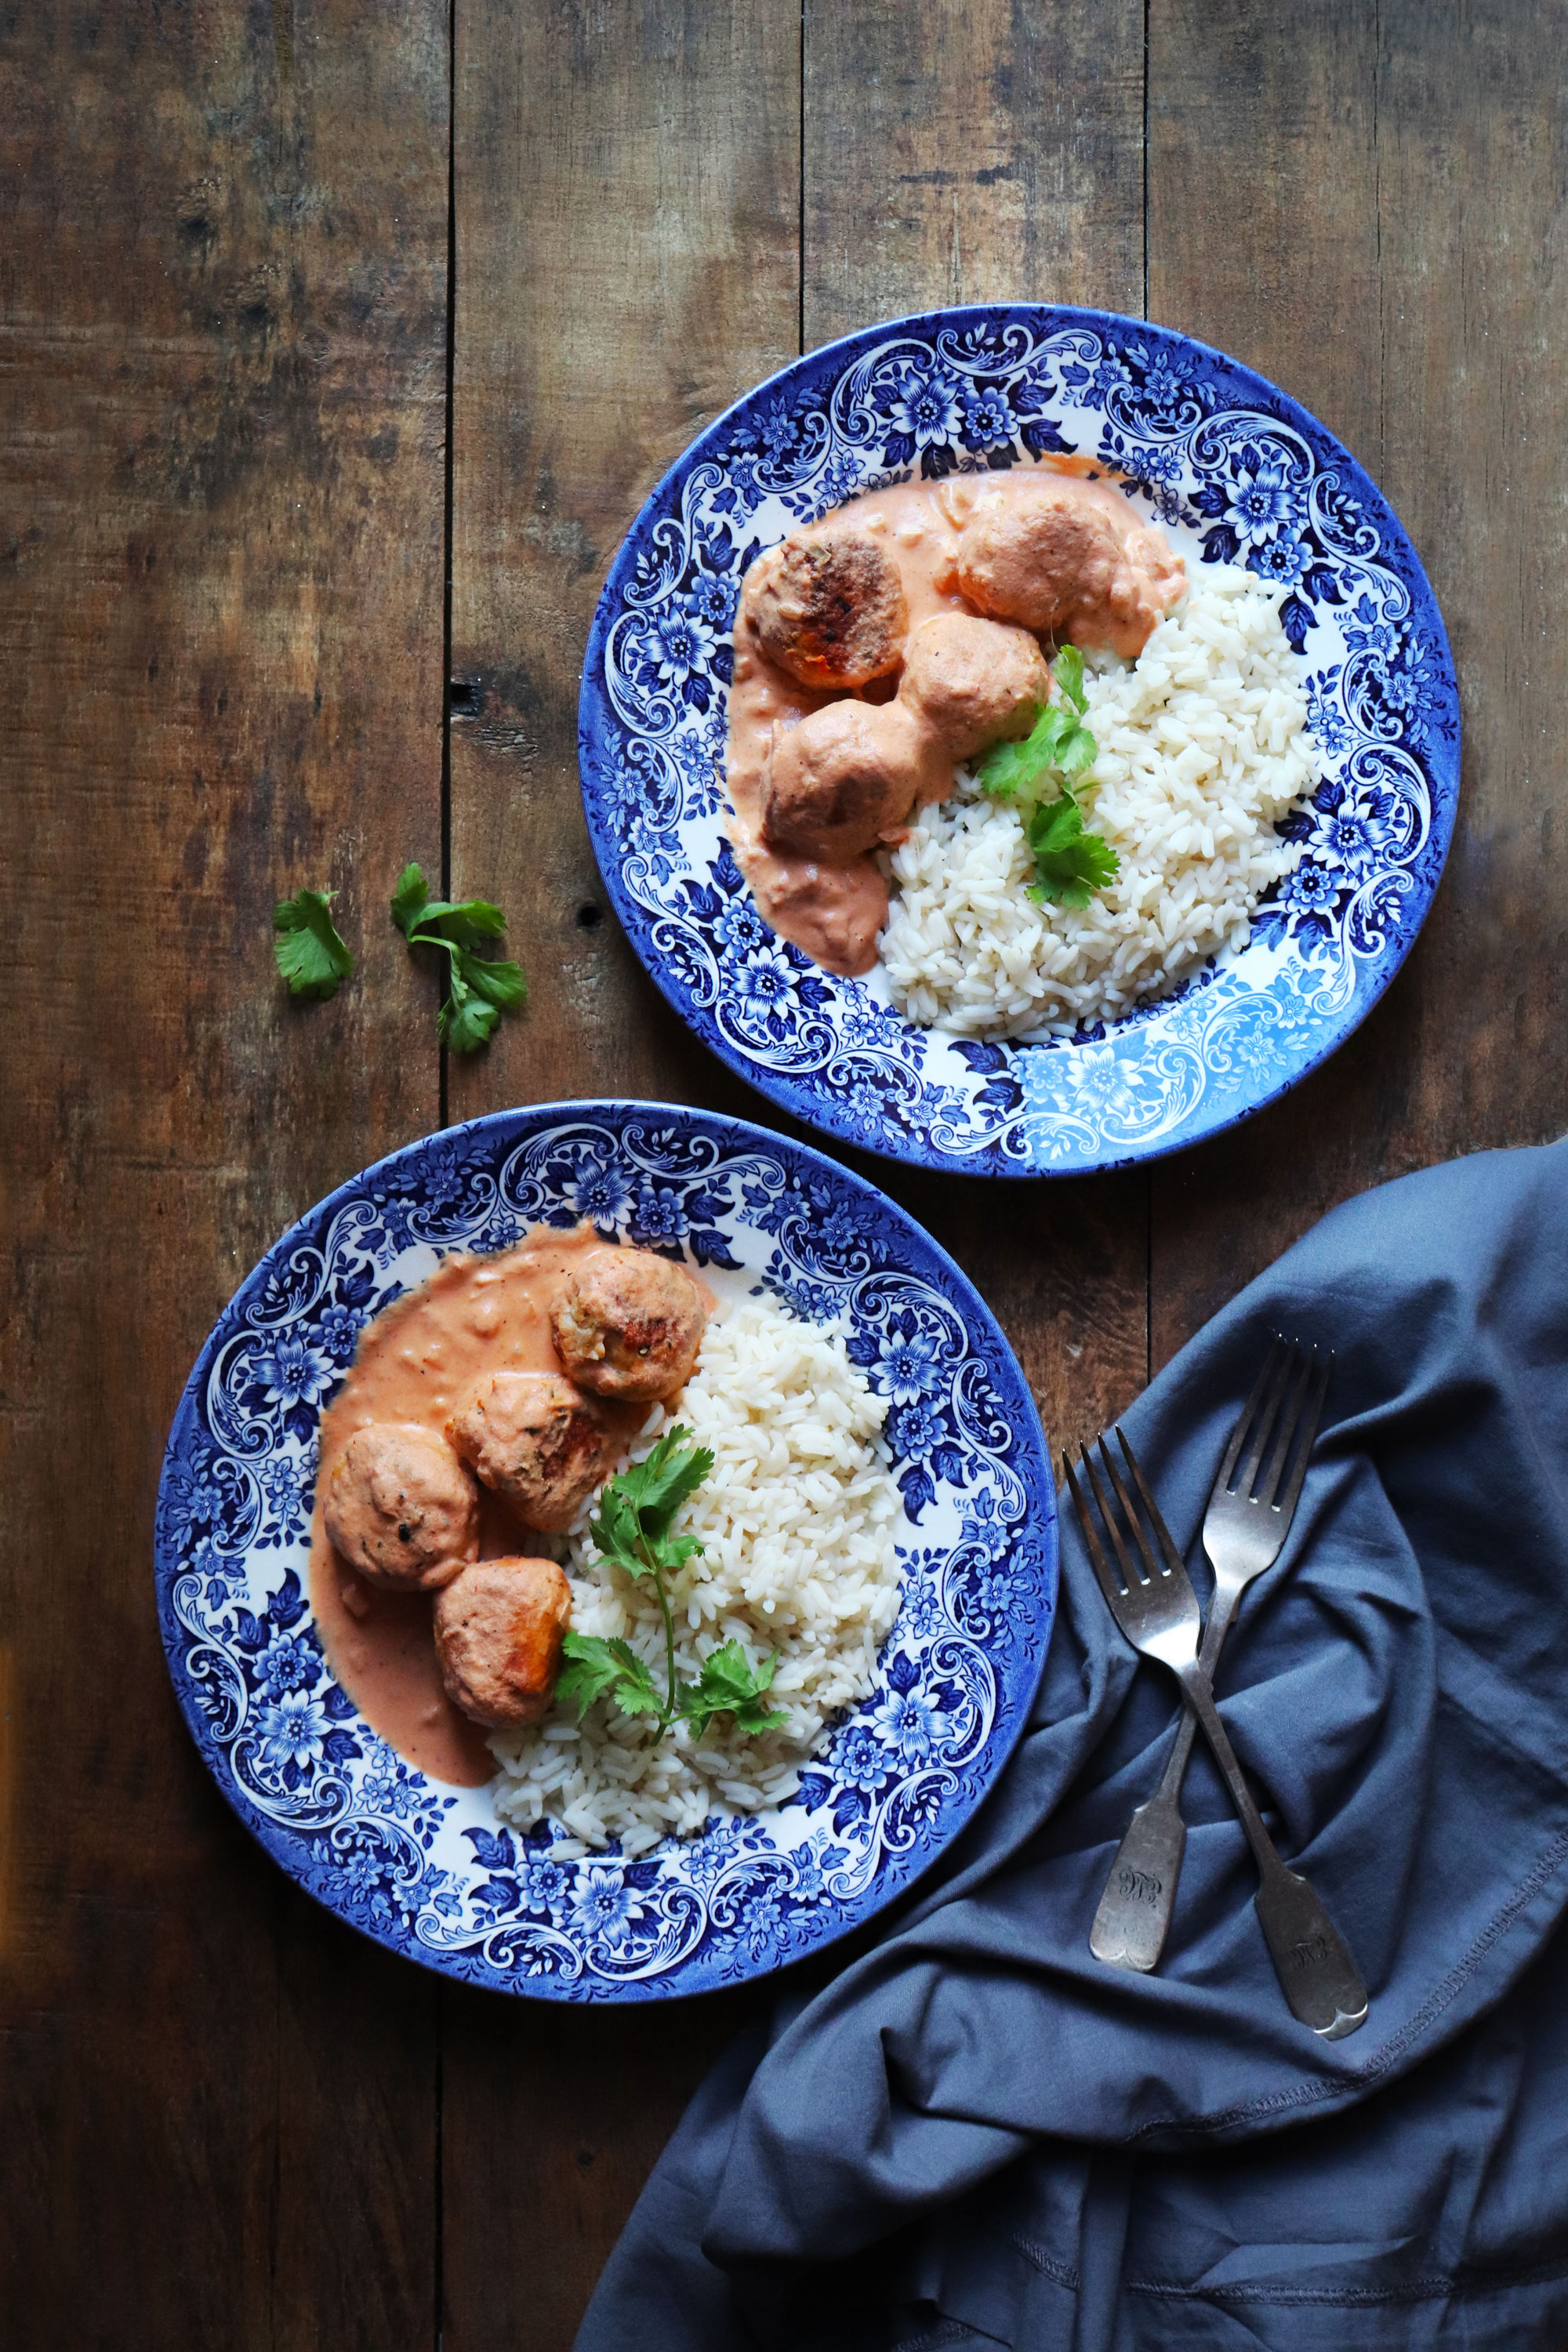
x=432 y=1871
x=1233 y=471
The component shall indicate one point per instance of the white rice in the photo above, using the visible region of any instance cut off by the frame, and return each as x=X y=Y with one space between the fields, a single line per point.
x=1203 y=746
x=796 y=1523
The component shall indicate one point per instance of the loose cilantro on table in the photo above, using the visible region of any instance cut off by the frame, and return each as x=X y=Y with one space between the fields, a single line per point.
x=480 y=989
x=637 y=1511
x=310 y=956
x=1069 y=862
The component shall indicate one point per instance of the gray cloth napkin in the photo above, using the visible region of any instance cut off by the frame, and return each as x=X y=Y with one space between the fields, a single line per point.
x=978 y=2133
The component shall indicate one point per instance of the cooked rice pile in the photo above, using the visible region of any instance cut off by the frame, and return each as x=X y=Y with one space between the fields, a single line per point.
x=797 y=1523
x=1203 y=744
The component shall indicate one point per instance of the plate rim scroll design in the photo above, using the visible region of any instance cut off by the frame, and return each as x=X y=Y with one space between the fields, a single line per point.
x=1240 y=473
x=434 y=1873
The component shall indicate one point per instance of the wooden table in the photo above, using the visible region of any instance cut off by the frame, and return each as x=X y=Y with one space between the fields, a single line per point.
x=341 y=342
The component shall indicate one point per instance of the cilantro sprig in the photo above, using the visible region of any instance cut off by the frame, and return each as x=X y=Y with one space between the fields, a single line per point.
x=636 y=1512
x=310 y=956
x=479 y=988
x=1069 y=862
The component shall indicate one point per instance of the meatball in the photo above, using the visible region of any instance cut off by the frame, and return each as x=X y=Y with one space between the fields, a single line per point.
x=848 y=776
x=399 y=1506
x=533 y=1437
x=629 y=1325
x=831 y=611
x=1068 y=563
x=499 y=1630
x=975 y=683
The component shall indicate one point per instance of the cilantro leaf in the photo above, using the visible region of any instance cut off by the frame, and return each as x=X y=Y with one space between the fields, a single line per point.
x=464 y=921
x=596 y=1666
x=1068 y=670
x=410 y=896
x=479 y=988
x=1069 y=862
x=499 y=983
x=657 y=1486
x=1076 y=748
x=729 y=1685
x=1057 y=741
x=310 y=956
x=632 y=1526
x=465 y=1021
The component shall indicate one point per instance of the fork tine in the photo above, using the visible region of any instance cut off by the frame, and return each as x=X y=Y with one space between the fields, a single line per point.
x=1148 y=1565
x=1152 y=1567
x=1091 y=1541
x=1288 y=1420
x=1129 y=1576
x=1265 y=1422
x=1173 y=1557
x=1291 y=1496
x=1244 y=1419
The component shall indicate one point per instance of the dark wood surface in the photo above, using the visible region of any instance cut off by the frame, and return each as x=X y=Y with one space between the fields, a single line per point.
x=273 y=471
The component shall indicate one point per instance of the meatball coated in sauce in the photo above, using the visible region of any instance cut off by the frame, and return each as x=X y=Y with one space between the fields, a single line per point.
x=499 y=1630
x=399 y=1506
x=847 y=777
x=534 y=1438
x=1067 y=563
x=830 y=609
x=628 y=1325
x=975 y=683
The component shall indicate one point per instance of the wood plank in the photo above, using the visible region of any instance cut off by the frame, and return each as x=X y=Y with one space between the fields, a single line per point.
x=223 y=351
x=970 y=152
x=557 y=437
x=627 y=201
x=1404 y=272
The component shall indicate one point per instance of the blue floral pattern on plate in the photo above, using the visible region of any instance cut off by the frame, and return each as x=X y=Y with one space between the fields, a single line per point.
x=1235 y=472
x=432 y=1871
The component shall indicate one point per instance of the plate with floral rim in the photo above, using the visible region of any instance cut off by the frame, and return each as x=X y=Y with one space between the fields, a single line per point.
x=434 y=1872
x=1232 y=469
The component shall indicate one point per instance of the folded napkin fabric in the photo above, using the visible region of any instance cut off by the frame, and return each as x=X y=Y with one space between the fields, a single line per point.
x=978 y=2133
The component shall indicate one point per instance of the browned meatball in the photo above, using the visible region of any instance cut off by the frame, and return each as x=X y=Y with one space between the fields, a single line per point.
x=1062 y=556
x=499 y=1630
x=830 y=610
x=535 y=1439
x=629 y=1325
x=400 y=1507
x=846 y=778
x=975 y=683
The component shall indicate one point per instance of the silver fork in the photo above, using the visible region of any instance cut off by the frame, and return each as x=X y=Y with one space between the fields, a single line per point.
x=1157 y=1609
x=1245 y=1530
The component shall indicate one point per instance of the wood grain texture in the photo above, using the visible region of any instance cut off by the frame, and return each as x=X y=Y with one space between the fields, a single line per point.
x=627 y=205
x=995 y=154
x=1404 y=273
x=969 y=151
x=223 y=289
x=229 y=2122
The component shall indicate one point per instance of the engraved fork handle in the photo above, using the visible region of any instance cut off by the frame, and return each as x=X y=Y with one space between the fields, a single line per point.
x=1134 y=1915
x=1316 y=1972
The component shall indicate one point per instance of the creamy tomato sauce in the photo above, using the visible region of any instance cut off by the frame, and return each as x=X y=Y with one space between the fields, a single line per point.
x=836 y=912
x=415 y=1361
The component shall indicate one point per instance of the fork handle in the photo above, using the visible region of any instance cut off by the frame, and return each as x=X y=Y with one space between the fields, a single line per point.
x=1134 y=1915
x=1316 y=1972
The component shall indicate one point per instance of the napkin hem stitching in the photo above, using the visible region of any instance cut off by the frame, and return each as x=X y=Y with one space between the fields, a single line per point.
x=1444 y=2287
x=1482 y=2280
x=1321 y=2086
